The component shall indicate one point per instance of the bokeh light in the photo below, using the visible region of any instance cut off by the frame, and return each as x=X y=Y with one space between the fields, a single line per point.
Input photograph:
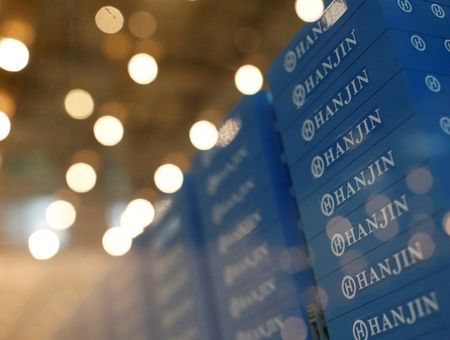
x=43 y=244
x=14 y=55
x=446 y=223
x=5 y=125
x=420 y=180
x=143 y=68
x=139 y=212
x=81 y=177
x=203 y=135
x=168 y=178
x=142 y=24
x=109 y=20
x=79 y=104
x=60 y=215
x=248 y=79
x=309 y=10
x=108 y=130
x=116 y=241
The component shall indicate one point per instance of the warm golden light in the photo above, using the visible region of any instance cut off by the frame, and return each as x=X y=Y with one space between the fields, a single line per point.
x=116 y=241
x=168 y=178
x=18 y=29
x=43 y=244
x=309 y=10
x=7 y=103
x=139 y=212
x=60 y=215
x=109 y=20
x=81 y=177
x=108 y=130
x=79 y=104
x=14 y=55
x=142 y=24
x=203 y=135
x=248 y=79
x=143 y=68
x=5 y=125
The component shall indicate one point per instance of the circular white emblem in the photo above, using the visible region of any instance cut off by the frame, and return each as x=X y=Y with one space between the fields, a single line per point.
x=338 y=245
x=405 y=5
x=433 y=83
x=308 y=130
x=290 y=61
x=447 y=44
x=327 y=205
x=317 y=167
x=418 y=43
x=360 y=331
x=438 y=11
x=348 y=287
x=298 y=96
x=445 y=125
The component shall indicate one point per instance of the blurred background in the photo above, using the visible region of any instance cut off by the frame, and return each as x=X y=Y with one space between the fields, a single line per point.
x=101 y=105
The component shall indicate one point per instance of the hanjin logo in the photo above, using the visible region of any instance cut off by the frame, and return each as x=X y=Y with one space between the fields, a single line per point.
x=405 y=5
x=418 y=43
x=317 y=167
x=438 y=11
x=433 y=83
x=447 y=44
x=327 y=205
x=290 y=61
x=338 y=245
x=308 y=130
x=360 y=331
x=348 y=287
x=298 y=96
x=445 y=125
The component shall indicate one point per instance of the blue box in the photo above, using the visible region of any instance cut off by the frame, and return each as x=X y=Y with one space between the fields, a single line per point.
x=262 y=294
x=427 y=311
x=258 y=146
x=244 y=269
x=385 y=216
x=175 y=245
x=366 y=78
x=220 y=208
x=251 y=118
x=347 y=46
x=311 y=39
x=289 y=314
x=373 y=121
x=421 y=251
x=273 y=216
x=378 y=169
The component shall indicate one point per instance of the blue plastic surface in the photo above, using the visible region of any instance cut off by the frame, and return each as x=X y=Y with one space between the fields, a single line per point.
x=425 y=248
x=385 y=216
x=428 y=310
x=268 y=324
x=417 y=140
x=366 y=78
x=372 y=122
x=346 y=47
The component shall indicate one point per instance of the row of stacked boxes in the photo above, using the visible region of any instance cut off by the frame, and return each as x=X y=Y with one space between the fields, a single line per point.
x=364 y=118
x=256 y=254
x=327 y=195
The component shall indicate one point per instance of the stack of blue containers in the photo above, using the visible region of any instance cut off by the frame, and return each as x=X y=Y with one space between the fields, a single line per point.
x=175 y=270
x=257 y=256
x=362 y=102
